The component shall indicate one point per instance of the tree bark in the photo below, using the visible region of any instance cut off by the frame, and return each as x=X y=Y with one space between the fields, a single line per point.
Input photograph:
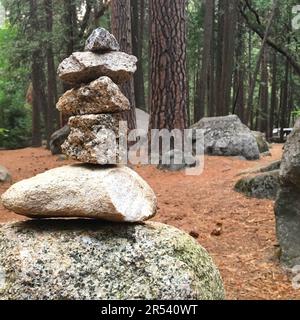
x=264 y=98
x=284 y=101
x=70 y=19
x=52 y=113
x=138 y=15
x=121 y=28
x=239 y=81
x=202 y=85
x=274 y=100
x=35 y=72
x=227 y=25
x=219 y=58
x=168 y=84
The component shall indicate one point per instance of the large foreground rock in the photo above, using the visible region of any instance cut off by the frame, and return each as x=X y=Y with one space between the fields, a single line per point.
x=58 y=138
x=290 y=165
x=100 y=96
x=228 y=136
x=101 y=41
x=261 y=186
x=88 y=260
x=84 y=67
x=287 y=212
x=109 y=193
x=287 y=207
x=95 y=139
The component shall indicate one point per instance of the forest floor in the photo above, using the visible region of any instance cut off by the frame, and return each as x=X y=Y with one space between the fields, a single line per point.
x=238 y=232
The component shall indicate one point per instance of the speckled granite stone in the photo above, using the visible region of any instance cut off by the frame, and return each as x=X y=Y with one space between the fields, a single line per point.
x=101 y=41
x=109 y=193
x=100 y=96
x=84 y=67
x=81 y=259
x=95 y=139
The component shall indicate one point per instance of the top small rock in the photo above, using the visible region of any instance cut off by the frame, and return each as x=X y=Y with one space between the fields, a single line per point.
x=101 y=41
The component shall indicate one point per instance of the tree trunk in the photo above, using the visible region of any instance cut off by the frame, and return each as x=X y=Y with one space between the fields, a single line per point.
x=52 y=113
x=121 y=28
x=264 y=98
x=219 y=56
x=36 y=116
x=70 y=22
x=239 y=76
x=211 y=81
x=274 y=102
x=228 y=53
x=202 y=85
x=168 y=84
x=258 y=63
x=284 y=101
x=35 y=72
x=138 y=15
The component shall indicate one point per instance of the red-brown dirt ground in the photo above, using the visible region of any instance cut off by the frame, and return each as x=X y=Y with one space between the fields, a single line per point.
x=238 y=232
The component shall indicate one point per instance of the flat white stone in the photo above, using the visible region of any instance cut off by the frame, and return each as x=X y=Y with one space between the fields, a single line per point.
x=89 y=191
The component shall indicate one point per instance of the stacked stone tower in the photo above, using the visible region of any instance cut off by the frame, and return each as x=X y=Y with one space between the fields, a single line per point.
x=101 y=187
x=89 y=259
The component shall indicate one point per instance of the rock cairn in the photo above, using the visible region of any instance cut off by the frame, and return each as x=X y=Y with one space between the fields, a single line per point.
x=95 y=103
x=89 y=259
x=92 y=189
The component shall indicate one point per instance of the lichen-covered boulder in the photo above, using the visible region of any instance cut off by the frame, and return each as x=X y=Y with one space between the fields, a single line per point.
x=261 y=186
x=290 y=164
x=89 y=260
x=287 y=206
x=95 y=139
x=228 y=136
x=84 y=67
x=100 y=96
x=101 y=41
x=287 y=213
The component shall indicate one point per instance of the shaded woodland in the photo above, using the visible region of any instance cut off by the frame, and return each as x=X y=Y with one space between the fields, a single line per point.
x=196 y=59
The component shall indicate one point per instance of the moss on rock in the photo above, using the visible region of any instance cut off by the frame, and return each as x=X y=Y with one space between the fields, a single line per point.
x=83 y=259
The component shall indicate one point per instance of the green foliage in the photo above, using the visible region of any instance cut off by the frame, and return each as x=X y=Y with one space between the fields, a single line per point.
x=14 y=114
x=296 y=113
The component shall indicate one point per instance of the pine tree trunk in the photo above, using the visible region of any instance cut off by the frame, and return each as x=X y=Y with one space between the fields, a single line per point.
x=121 y=28
x=284 y=101
x=219 y=58
x=264 y=98
x=36 y=112
x=168 y=84
x=35 y=72
x=51 y=79
x=230 y=22
x=70 y=23
x=211 y=81
x=274 y=102
x=239 y=76
x=202 y=85
x=259 y=59
x=138 y=16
